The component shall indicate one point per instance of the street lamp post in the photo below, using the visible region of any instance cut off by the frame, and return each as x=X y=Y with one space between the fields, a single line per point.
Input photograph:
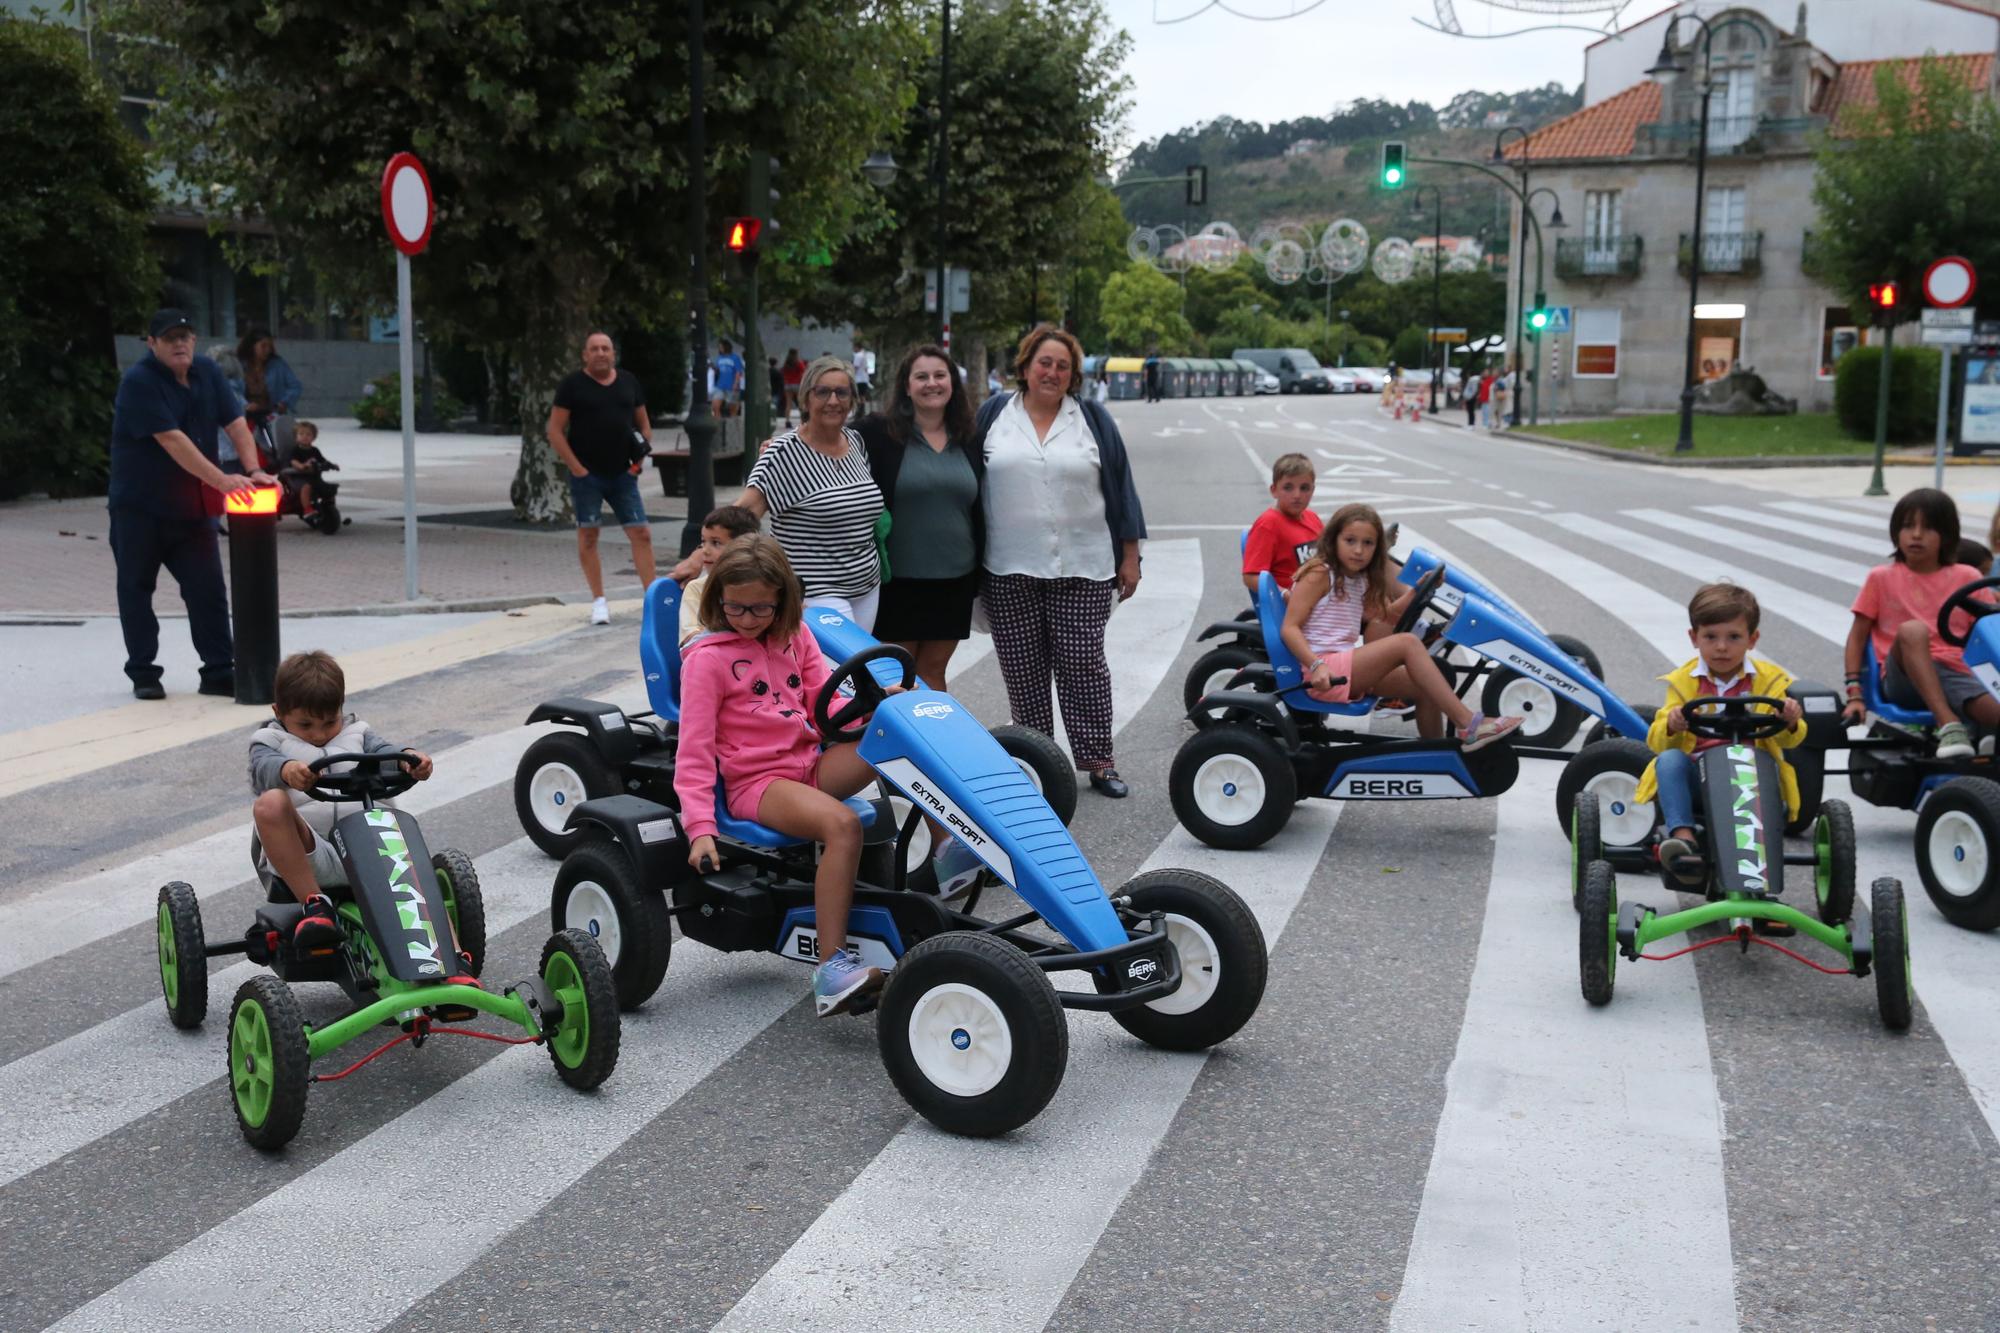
x=1437 y=270
x=1520 y=269
x=1556 y=223
x=943 y=175
x=698 y=424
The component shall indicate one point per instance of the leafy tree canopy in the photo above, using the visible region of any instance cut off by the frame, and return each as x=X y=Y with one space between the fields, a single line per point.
x=1142 y=311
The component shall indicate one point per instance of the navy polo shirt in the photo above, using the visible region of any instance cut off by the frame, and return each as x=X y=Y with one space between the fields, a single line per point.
x=144 y=475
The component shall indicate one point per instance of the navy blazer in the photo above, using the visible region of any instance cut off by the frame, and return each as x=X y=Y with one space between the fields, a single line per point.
x=1122 y=514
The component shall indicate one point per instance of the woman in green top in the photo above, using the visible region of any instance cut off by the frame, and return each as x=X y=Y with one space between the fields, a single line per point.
x=920 y=452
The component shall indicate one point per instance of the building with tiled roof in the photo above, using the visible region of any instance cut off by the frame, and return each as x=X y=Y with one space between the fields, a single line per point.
x=1623 y=170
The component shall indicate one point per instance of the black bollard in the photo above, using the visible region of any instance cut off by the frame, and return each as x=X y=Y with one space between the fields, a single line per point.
x=253 y=590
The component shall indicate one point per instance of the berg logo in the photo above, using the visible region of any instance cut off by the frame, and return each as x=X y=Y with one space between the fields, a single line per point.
x=830 y=618
x=1749 y=821
x=933 y=710
x=410 y=906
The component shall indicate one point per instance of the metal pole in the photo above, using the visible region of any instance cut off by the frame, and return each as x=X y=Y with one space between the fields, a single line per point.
x=1944 y=414
x=1521 y=279
x=405 y=360
x=1875 y=486
x=699 y=425
x=944 y=177
x=1437 y=272
x=1685 y=443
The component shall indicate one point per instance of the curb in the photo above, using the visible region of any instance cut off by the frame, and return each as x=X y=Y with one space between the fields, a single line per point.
x=463 y=605
x=1747 y=460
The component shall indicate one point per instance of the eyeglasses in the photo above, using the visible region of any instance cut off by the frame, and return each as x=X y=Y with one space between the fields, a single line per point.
x=824 y=394
x=757 y=610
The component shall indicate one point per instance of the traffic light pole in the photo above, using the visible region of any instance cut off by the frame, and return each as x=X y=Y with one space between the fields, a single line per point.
x=698 y=424
x=1875 y=486
x=1684 y=443
x=944 y=177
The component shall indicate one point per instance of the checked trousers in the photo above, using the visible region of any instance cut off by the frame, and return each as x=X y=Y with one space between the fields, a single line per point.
x=1045 y=628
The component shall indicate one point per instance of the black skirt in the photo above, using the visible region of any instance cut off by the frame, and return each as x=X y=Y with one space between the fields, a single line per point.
x=917 y=610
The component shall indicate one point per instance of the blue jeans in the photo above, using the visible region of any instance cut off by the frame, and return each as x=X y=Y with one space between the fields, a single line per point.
x=1680 y=788
x=589 y=493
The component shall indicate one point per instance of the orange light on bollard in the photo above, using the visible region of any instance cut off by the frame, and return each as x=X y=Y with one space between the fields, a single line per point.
x=252 y=500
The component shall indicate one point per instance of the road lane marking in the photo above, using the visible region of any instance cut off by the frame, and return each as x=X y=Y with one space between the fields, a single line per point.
x=1819 y=532
x=1850 y=517
x=1657 y=619
x=1520 y=1225
x=1782 y=553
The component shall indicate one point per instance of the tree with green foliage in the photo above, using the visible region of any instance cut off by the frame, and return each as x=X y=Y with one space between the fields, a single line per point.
x=1142 y=311
x=555 y=139
x=1037 y=101
x=1912 y=178
x=74 y=265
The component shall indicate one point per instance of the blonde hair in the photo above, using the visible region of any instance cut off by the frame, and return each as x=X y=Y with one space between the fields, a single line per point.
x=1024 y=355
x=821 y=367
x=1375 y=577
x=1292 y=465
x=754 y=558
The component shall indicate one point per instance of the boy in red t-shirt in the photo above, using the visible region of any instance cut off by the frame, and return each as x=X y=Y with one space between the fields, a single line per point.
x=1284 y=534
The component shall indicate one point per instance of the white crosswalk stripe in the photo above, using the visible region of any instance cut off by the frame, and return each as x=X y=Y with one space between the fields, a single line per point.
x=1846 y=538
x=1718 y=537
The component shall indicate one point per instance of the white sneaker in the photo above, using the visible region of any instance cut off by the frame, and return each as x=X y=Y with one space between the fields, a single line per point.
x=600 y=612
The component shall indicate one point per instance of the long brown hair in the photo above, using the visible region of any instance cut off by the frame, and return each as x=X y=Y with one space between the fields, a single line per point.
x=1375 y=575
x=754 y=558
x=902 y=416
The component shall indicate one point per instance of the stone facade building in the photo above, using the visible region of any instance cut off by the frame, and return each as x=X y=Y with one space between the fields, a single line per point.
x=1623 y=171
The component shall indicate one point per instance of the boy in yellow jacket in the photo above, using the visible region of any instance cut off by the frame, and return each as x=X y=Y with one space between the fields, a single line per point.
x=1722 y=625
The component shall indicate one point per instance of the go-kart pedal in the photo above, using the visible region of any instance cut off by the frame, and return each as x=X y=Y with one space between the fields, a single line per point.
x=318 y=934
x=458 y=1013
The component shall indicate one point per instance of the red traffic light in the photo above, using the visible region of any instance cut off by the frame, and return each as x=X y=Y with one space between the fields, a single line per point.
x=1882 y=295
x=739 y=235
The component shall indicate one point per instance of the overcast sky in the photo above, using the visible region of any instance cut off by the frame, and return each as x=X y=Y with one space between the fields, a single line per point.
x=1218 y=64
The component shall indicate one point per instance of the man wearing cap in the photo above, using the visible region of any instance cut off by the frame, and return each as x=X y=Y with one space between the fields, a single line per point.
x=166 y=489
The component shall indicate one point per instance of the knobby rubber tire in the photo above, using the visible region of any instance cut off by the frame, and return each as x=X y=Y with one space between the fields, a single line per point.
x=1244 y=965
x=1833 y=841
x=1036 y=1026
x=187 y=997
x=576 y=751
x=464 y=902
x=1581 y=652
x=1809 y=768
x=1889 y=916
x=1597 y=948
x=290 y=1066
x=1978 y=799
x=645 y=926
x=1617 y=754
x=1586 y=844
x=1230 y=657
x=599 y=1055
x=1052 y=768
x=1263 y=753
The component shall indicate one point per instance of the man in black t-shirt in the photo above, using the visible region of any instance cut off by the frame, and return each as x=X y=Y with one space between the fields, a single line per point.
x=600 y=430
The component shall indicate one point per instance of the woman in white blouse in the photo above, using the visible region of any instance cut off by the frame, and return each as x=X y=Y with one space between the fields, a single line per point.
x=1063 y=526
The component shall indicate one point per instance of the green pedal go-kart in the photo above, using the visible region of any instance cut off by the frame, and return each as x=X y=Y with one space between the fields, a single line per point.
x=395 y=961
x=1742 y=862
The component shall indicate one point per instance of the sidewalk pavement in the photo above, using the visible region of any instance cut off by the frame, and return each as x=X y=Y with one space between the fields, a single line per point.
x=58 y=558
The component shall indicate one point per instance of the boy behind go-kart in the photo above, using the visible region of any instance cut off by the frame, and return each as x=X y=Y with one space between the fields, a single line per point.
x=295 y=829
x=1722 y=625
x=721 y=527
x=1284 y=535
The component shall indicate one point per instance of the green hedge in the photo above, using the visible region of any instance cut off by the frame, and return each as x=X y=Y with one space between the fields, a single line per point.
x=1913 y=390
x=382 y=407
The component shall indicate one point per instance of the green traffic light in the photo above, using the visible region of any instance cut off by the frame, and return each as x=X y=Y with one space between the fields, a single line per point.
x=1392 y=176
x=1538 y=320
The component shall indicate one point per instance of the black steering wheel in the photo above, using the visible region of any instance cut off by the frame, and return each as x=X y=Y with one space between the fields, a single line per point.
x=1420 y=599
x=850 y=722
x=1962 y=601
x=374 y=776
x=1713 y=717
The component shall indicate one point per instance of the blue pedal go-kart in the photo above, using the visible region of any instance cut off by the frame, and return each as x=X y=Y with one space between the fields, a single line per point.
x=604 y=750
x=397 y=916
x=1233 y=783
x=1548 y=718
x=971 y=1028
x=1740 y=864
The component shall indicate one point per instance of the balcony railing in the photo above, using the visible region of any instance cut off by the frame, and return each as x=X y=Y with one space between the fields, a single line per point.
x=1598 y=257
x=1724 y=252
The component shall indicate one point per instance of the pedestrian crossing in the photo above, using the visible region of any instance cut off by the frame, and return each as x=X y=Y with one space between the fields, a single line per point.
x=1553 y=1167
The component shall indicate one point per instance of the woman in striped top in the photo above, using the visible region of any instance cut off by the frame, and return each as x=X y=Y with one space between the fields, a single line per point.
x=1336 y=597
x=823 y=503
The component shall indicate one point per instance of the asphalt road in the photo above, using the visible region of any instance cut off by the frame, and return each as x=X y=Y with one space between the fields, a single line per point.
x=1424 y=1128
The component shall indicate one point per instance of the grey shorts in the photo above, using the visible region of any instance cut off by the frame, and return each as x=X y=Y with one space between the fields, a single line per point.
x=1960 y=687
x=326 y=865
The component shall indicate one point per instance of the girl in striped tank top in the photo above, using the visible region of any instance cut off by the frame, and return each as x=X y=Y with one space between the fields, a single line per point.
x=1340 y=596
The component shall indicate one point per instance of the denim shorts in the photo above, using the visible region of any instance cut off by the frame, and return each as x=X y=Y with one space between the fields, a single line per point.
x=593 y=490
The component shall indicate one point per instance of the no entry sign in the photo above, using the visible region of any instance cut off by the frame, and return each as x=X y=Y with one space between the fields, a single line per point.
x=1949 y=282
x=406 y=203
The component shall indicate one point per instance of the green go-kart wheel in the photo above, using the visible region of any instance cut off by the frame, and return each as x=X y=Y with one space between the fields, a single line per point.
x=584 y=1041
x=1890 y=921
x=183 y=955
x=1833 y=862
x=1597 y=924
x=270 y=1062
x=1586 y=843
x=459 y=883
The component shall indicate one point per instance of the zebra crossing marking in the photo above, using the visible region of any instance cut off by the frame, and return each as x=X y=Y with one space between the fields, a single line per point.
x=1836 y=514
x=1848 y=572
x=1522 y=1225
x=1657 y=619
x=1819 y=532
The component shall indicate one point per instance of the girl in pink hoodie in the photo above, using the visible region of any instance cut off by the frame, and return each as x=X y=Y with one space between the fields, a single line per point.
x=747 y=691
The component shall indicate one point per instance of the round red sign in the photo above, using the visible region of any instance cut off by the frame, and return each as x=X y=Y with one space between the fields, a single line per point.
x=406 y=203
x=1949 y=282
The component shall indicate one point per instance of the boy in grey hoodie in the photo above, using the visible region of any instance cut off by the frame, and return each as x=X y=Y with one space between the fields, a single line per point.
x=293 y=829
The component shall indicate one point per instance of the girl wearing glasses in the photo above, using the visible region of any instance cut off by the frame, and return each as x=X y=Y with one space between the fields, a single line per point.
x=823 y=504
x=747 y=688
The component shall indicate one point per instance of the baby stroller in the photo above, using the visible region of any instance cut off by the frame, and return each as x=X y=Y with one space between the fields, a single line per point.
x=296 y=467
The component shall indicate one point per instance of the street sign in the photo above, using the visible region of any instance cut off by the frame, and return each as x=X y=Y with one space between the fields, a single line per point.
x=1950 y=282
x=1447 y=335
x=406 y=203
x=1947 y=328
x=1558 y=319
x=958 y=281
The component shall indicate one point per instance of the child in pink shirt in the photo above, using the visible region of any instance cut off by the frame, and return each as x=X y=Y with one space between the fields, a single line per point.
x=747 y=691
x=1896 y=610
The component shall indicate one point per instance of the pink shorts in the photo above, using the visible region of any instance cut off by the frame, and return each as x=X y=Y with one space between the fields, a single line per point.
x=1339 y=666
x=745 y=799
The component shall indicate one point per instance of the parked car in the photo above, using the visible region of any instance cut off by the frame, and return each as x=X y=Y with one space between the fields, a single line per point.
x=1342 y=381
x=1267 y=382
x=1368 y=379
x=1296 y=368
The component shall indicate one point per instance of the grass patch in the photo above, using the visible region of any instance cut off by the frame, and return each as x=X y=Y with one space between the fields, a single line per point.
x=1806 y=433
